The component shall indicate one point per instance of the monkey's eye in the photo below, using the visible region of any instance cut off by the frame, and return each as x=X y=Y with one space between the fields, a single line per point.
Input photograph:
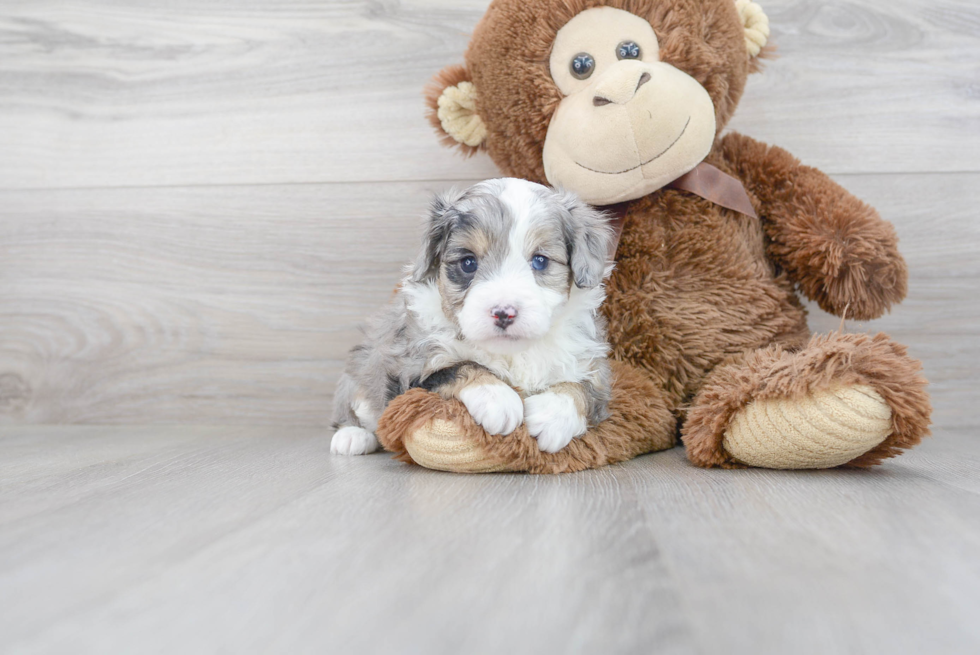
x=539 y=262
x=468 y=265
x=628 y=50
x=582 y=65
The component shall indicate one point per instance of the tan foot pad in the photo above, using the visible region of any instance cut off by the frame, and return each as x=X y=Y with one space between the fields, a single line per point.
x=439 y=445
x=827 y=429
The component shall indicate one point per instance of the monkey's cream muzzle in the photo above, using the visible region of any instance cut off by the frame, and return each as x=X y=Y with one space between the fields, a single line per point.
x=616 y=135
x=633 y=125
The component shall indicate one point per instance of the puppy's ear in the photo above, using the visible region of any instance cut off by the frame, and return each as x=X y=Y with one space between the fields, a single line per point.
x=589 y=238
x=442 y=217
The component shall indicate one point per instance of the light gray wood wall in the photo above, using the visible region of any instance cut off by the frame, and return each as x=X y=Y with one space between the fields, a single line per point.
x=201 y=200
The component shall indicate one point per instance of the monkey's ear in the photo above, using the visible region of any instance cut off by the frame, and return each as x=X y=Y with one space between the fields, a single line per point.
x=756 y=25
x=452 y=101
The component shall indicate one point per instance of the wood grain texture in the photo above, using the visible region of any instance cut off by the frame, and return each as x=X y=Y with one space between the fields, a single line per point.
x=167 y=539
x=110 y=93
x=238 y=304
x=163 y=304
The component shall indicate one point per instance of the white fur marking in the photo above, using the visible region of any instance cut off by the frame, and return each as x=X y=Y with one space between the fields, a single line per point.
x=513 y=284
x=553 y=420
x=366 y=414
x=425 y=302
x=352 y=440
x=496 y=407
x=564 y=354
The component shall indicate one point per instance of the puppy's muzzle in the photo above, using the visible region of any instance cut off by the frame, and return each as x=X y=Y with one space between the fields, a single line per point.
x=503 y=317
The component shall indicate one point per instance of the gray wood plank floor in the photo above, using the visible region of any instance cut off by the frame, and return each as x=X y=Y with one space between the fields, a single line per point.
x=163 y=540
x=200 y=202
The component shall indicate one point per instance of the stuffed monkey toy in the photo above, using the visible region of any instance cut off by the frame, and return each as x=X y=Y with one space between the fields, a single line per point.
x=624 y=102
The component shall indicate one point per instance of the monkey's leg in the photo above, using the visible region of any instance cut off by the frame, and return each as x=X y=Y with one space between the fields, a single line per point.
x=440 y=434
x=847 y=399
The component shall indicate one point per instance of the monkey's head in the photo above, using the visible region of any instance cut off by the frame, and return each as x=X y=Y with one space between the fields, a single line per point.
x=611 y=99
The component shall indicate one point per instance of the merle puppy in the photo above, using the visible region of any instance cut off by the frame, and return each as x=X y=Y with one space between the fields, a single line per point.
x=499 y=311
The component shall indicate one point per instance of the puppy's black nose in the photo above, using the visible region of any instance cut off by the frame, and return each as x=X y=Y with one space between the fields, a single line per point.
x=503 y=316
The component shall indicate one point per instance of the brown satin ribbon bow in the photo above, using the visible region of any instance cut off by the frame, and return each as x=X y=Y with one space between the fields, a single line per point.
x=705 y=181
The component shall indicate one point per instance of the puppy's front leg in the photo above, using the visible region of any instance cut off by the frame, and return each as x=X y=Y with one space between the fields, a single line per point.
x=491 y=402
x=558 y=415
x=355 y=420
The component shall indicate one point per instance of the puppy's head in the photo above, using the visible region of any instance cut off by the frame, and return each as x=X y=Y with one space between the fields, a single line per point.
x=506 y=255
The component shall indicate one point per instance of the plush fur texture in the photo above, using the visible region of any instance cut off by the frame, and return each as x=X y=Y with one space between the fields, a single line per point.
x=827 y=361
x=638 y=423
x=702 y=306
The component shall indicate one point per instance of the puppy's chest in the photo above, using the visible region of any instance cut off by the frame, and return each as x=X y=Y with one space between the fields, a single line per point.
x=566 y=354
x=532 y=370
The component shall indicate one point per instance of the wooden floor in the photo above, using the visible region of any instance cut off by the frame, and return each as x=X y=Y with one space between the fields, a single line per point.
x=200 y=202
x=173 y=540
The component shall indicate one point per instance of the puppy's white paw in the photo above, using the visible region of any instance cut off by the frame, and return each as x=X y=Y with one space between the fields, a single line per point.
x=496 y=407
x=350 y=440
x=553 y=420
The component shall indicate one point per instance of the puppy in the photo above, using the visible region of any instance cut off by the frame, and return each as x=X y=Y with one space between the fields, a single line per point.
x=500 y=311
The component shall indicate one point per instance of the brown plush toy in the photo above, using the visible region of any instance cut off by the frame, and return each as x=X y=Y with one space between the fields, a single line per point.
x=624 y=102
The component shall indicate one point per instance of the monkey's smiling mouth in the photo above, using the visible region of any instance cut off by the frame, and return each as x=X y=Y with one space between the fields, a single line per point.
x=654 y=158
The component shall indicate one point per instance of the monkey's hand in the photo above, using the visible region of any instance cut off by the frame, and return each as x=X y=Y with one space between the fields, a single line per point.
x=836 y=248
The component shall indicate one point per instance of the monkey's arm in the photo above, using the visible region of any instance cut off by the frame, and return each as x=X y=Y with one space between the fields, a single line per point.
x=838 y=249
x=490 y=401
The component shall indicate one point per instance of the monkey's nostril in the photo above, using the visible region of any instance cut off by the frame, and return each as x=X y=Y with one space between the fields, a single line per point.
x=600 y=101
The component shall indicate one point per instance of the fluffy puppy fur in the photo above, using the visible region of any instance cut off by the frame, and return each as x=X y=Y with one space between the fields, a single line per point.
x=500 y=311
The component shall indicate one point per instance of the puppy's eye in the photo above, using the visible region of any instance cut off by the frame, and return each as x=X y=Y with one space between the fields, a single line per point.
x=628 y=50
x=539 y=262
x=582 y=65
x=468 y=265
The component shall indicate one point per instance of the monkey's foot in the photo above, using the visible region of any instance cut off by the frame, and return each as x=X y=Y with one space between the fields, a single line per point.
x=825 y=429
x=843 y=399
